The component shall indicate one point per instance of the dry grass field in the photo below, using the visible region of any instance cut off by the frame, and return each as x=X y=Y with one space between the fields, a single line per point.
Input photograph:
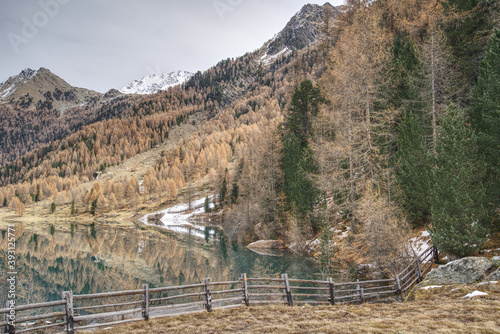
x=436 y=310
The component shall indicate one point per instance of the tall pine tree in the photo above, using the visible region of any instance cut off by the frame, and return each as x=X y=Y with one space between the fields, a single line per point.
x=485 y=118
x=413 y=169
x=411 y=159
x=467 y=34
x=459 y=215
x=297 y=162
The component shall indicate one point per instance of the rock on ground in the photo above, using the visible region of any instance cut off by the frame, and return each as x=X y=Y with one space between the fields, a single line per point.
x=495 y=276
x=268 y=244
x=463 y=271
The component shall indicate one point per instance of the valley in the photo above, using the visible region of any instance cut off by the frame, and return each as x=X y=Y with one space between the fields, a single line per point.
x=352 y=137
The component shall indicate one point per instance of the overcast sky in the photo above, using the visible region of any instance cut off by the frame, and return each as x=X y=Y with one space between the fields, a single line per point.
x=104 y=44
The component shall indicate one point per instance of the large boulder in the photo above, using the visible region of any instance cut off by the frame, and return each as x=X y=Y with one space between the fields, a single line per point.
x=267 y=244
x=464 y=271
x=495 y=276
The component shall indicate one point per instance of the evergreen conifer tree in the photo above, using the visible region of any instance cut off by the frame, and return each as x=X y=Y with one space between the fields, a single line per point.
x=411 y=160
x=485 y=118
x=206 y=205
x=305 y=104
x=297 y=162
x=93 y=207
x=413 y=169
x=458 y=212
x=234 y=193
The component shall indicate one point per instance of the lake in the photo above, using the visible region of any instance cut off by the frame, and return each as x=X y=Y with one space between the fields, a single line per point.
x=101 y=258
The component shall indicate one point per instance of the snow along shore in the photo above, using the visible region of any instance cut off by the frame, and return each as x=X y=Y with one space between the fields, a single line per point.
x=178 y=218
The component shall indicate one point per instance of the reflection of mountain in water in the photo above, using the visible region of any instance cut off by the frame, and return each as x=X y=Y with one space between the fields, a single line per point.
x=118 y=259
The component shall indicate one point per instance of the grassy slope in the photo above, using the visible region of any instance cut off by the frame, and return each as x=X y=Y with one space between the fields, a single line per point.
x=439 y=310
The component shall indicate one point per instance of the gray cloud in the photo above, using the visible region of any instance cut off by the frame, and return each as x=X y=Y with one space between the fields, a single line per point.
x=106 y=44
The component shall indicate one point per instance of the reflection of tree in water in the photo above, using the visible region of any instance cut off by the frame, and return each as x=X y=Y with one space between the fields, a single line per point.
x=79 y=262
x=182 y=278
x=223 y=246
x=261 y=270
x=34 y=239
x=123 y=259
x=206 y=233
x=93 y=231
x=30 y=288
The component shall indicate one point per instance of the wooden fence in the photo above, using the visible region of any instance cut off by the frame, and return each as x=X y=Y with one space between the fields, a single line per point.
x=81 y=312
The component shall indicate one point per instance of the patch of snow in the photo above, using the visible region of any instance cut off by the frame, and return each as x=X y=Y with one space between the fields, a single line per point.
x=431 y=287
x=178 y=218
x=420 y=244
x=156 y=82
x=6 y=92
x=474 y=294
x=274 y=37
x=345 y=234
x=268 y=59
x=140 y=247
x=9 y=87
x=142 y=189
x=313 y=243
x=489 y=282
x=25 y=324
x=495 y=258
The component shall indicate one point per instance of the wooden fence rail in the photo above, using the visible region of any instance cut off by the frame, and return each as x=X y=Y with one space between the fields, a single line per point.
x=110 y=308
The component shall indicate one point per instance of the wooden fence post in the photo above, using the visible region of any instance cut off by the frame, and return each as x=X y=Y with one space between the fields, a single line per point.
x=288 y=293
x=208 y=295
x=245 y=289
x=436 y=254
x=361 y=293
x=397 y=285
x=68 y=307
x=332 y=292
x=145 y=302
x=9 y=329
x=419 y=270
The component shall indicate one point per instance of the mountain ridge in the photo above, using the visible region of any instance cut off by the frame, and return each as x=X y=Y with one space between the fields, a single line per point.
x=27 y=126
x=36 y=90
x=156 y=83
x=301 y=31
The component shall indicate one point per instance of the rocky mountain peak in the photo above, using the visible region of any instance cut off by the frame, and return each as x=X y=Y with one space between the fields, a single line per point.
x=301 y=31
x=42 y=90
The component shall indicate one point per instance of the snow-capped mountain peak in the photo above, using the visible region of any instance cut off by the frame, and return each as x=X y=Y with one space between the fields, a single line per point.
x=8 y=87
x=156 y=82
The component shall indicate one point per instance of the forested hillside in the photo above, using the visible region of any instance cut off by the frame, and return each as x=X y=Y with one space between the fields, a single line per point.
x=38 y=107
x=385 y=119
